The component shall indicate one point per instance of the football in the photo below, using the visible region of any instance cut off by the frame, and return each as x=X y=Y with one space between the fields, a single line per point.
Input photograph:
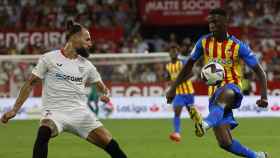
x=212 y=73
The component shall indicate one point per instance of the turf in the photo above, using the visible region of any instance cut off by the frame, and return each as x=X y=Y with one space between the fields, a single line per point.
x=142 y=139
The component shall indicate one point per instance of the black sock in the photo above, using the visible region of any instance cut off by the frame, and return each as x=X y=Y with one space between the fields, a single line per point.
x=40 y=149
x=114 y=150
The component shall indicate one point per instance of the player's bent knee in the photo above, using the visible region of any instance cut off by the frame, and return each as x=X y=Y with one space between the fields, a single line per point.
x=50 y=124
x=226 y=98
x=100 y=137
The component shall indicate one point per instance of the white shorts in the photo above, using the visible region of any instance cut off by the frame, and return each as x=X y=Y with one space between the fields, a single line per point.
x=79 y=122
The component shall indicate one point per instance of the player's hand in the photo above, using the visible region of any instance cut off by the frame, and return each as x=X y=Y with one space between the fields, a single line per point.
x=105 y=98
x=7 y=116
x=170 y=95
x=263 y=103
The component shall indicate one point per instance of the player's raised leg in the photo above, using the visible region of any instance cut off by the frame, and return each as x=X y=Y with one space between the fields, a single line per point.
x=45 y=132
x=223 y=98
x=226 y=142
x=103 y=139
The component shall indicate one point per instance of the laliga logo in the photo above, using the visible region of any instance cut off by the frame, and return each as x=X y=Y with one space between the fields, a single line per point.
x=154 y=108
x=275 y=107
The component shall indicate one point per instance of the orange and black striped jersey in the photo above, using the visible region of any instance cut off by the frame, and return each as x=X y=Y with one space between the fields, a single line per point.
x=174 y=69
x=227 y=53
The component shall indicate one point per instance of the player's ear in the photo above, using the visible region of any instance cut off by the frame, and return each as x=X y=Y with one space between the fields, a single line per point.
x=76 y=40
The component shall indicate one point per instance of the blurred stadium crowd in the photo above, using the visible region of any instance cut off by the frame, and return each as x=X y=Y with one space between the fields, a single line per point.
x=52 y=14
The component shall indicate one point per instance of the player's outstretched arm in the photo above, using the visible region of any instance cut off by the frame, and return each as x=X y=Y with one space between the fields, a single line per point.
x=250 y=59
x=263 y=85
x=23 y=95
x=184 y=75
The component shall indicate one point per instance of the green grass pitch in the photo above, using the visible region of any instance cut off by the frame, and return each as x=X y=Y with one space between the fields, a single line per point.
x=142 y=139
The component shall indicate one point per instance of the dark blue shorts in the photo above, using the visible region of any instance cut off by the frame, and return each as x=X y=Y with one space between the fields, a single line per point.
x=183 y=100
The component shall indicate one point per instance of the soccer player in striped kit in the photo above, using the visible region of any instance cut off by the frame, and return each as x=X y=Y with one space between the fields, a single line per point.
x=184 y=94
x=227 y=50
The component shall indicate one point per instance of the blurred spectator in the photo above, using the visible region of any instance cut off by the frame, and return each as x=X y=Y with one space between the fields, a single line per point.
x=253 y=12
x=139 y=45
x=148 y=75
x=4 y=81
x=51 y=15
x=186 y=47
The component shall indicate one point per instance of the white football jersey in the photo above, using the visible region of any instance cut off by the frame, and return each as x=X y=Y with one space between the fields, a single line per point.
x=64 y=80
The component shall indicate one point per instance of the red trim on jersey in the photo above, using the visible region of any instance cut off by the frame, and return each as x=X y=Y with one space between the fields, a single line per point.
x=215 y=49
x=232 y=58
x=226 y=76
x=224 y=56
x=223 y=48
x=62 y=52
x=232 y=49
x=207 y=46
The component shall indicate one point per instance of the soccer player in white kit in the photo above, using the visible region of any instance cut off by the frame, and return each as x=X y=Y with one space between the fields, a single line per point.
x=65 y=74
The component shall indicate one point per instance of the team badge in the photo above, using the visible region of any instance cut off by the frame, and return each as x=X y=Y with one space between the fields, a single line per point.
x=229 y=51
x=81 y=69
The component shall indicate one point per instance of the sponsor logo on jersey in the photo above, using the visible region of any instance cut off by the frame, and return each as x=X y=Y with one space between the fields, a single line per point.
x=68 y=77
x=221 y=61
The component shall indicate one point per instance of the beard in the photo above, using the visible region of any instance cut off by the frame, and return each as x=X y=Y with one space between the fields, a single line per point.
x=83 y=52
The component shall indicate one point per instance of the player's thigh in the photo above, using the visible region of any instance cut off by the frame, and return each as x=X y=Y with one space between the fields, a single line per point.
x=100 y=137
x=177 y=110
x=223 y=134
x=54 y=120
x=82 y=123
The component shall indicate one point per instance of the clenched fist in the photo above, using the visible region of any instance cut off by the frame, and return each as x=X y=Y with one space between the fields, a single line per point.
x=8 y=115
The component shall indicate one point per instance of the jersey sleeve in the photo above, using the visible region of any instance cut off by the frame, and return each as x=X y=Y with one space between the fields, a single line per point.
x=197 y=50
x=41 y=68
x=247 y=55
x=94 y=75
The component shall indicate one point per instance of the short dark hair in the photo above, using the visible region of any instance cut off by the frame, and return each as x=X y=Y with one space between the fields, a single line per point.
x=218 y=11
x=72 y=28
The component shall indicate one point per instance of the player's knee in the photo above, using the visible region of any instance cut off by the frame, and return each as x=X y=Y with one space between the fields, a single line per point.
x=114 y=150
x=49 y=123
x=226 y=98
x=44 y=134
